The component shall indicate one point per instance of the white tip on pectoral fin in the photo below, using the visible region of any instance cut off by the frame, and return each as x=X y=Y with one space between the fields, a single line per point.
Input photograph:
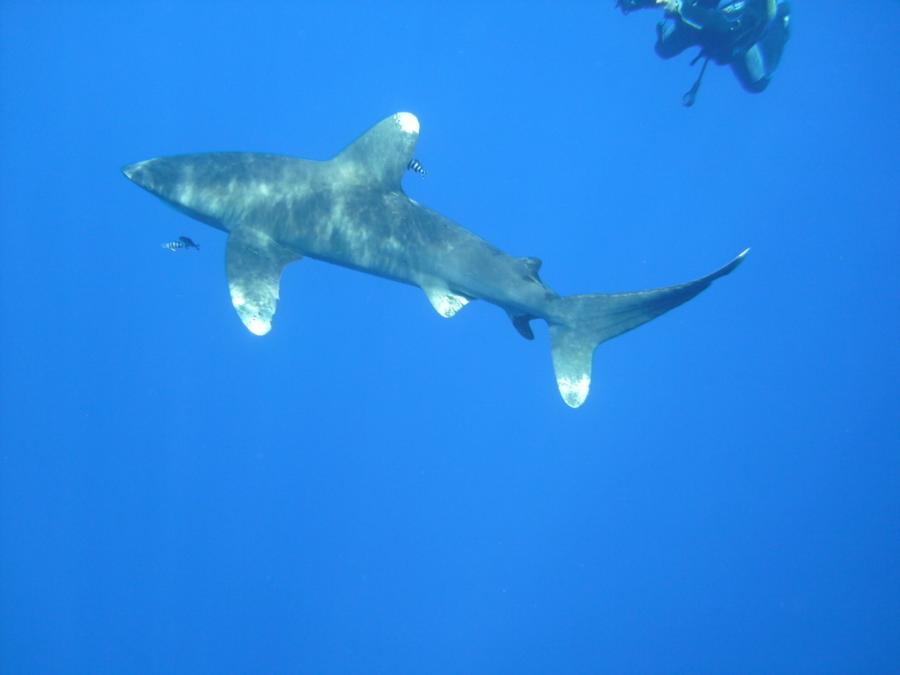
x=445 y=302
x=254 y=263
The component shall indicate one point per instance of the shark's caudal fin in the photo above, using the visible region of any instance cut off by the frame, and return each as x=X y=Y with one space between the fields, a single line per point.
x=585 y=321
x=383 y=154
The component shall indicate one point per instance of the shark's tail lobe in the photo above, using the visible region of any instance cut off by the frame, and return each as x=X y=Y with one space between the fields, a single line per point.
x=582 y=322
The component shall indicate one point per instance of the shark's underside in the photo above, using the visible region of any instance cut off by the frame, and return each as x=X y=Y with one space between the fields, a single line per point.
x=352 y=211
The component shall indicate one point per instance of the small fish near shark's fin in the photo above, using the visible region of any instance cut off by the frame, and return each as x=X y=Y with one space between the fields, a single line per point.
x=383 y=154
x=445 y=302
x=181 y=243
x=416 y=167
x=254 y=263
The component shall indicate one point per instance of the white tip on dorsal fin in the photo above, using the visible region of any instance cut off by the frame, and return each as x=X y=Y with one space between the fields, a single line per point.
x=383 y=153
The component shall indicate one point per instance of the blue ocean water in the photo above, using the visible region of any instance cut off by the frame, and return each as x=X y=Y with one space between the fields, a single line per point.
x=373 y=489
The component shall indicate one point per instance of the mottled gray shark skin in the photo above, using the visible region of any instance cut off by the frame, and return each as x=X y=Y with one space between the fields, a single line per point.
x=352 y=211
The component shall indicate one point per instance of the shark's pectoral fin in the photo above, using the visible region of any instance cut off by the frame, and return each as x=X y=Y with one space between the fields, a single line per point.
x=253 y=263
x=445 y=302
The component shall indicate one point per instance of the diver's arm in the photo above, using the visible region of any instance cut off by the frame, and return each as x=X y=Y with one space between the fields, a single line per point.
x=700 y=16
x=696 y=15
x=631 y=5
x=716 y=21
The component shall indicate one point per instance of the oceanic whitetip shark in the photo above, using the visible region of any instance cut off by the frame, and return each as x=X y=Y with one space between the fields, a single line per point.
x=352 y=211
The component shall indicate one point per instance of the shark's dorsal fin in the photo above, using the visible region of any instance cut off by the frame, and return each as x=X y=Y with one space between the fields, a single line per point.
x=445 y=302
x=253 y=263
x=382 y=155
x=533 y=267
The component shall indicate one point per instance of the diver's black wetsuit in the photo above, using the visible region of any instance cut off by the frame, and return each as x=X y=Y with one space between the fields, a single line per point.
x=744 y=34
x=748 y=35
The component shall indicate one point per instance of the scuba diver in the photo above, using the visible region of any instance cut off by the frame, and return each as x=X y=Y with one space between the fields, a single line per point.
x=183 y=242
x=748 y=35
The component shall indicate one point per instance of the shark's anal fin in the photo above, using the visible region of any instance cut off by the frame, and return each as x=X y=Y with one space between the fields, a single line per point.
x=253 y=263
x=445 y=302
x=522 y=323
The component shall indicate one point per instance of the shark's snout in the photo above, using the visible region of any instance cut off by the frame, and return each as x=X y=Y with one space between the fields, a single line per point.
x=150 y=174
x=137 y=172
x=180 y=182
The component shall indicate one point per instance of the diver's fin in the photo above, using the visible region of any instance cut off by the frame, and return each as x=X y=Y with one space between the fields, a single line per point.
x=445 y=302
x=690 y=96
x=585 y=321
x=382 y=154
x=253 y=263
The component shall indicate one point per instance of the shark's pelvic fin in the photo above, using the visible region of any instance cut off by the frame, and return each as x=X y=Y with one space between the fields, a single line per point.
x=585 y=321
x=445 y=302
x=383 y=154
x=254 y=262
